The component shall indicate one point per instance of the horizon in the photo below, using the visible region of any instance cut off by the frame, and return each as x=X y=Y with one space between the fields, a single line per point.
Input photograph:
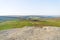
x=31 y=15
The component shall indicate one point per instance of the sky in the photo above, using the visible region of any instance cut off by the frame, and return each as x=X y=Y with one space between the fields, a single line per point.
x=29 y=7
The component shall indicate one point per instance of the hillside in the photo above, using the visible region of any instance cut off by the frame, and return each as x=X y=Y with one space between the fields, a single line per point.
x=10 y=22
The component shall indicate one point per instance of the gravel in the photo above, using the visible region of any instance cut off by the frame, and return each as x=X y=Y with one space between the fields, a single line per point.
x=31 y=33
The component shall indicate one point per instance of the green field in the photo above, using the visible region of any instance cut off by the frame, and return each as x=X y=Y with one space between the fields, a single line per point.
x=20 y=24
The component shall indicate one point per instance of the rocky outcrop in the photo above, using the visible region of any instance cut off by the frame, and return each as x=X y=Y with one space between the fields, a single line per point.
x=31 y=33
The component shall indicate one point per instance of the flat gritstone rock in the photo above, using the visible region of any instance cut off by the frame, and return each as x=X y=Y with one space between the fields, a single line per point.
x=31 y=33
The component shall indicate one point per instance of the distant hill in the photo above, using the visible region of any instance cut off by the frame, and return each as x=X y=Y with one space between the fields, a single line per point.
x=7 y=18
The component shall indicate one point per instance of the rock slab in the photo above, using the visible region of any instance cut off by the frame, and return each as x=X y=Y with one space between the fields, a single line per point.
x=31 y=33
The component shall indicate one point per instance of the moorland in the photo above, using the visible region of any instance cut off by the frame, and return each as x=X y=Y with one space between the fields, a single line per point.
x=9 y=22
